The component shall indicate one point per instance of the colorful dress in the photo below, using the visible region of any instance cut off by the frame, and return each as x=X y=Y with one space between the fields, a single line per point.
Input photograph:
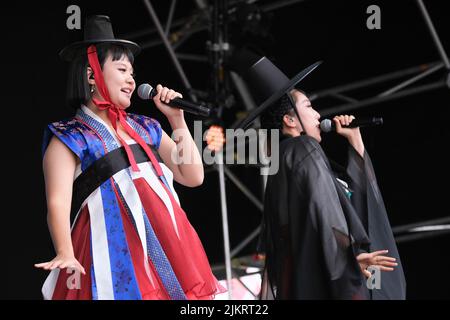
x=130 y=234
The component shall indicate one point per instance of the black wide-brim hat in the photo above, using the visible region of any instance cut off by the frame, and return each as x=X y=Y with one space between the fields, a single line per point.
x=267 y=83
x=97 y=29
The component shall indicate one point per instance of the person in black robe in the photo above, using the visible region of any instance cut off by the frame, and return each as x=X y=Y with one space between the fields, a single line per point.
x=320 y=233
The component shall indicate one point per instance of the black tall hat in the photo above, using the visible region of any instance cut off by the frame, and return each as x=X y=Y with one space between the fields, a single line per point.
x=97 y=29
x=266 y=82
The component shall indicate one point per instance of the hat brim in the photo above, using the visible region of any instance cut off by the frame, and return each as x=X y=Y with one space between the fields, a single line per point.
x=72 y=50
x=277 y=95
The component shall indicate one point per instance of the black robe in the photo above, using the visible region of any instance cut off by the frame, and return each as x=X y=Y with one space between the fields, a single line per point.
x=369 y=205
x=312 y=232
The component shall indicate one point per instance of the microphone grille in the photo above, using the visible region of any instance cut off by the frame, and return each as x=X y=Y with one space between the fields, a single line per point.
x=144 y=91
x=326 y=125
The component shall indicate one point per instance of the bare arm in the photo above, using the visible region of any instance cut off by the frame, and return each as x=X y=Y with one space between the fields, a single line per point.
x=182 y=157
x=59 y=167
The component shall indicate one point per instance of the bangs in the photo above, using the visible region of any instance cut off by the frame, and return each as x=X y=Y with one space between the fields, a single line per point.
x=117 y=52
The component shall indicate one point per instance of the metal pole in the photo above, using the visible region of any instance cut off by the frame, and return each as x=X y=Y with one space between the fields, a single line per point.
x=150 y=31
x=422 y=235
x=434 y=34
x=374 y=100
x=186 y=35
x=201 y=4
x=438 y=227
x=374 y=80
x=181 y=39
x=245 y=95
x=226 y=239
x=412 y=80
x=243 y=91
x=244 y=242
x=170 y=16
x=405 y=228
x=169 y=49
x=243 y=189
x=343 y=97
x=279 y=5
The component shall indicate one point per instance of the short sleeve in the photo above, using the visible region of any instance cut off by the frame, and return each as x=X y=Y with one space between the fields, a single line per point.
x=68 y=133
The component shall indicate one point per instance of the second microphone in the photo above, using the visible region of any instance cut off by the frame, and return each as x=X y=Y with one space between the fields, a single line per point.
x=146 y=92
x=327 y=125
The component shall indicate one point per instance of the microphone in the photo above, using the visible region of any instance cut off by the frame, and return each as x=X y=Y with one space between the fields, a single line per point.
x=146 y=91
x=327 y=125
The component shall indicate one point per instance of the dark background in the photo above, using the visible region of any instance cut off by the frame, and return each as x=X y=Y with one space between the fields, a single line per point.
x=407 y=152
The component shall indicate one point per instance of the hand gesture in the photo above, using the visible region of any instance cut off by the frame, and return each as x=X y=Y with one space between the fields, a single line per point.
x=62 y=262
x=376 y=259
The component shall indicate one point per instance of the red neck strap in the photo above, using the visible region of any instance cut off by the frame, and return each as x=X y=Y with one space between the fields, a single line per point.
x=115 y=113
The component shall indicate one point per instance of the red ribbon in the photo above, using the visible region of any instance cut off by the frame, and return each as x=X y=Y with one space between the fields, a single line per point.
x=115 y=113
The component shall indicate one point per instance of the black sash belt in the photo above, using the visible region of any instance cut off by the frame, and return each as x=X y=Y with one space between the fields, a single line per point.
x=103 y=169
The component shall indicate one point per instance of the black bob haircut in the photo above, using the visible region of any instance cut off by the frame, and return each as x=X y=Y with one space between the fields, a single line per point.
x=272 y=118
x=78 y=89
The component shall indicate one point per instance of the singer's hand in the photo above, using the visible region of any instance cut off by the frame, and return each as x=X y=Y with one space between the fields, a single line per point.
x=61 y=261
x=376 y=259
x=164 y=96
x=353 y=135
x=345 y=120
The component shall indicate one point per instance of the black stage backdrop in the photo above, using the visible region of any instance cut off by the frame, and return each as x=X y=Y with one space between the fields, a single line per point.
x=407 y=152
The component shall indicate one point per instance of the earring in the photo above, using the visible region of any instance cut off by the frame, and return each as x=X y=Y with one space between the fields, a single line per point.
x=92 y=89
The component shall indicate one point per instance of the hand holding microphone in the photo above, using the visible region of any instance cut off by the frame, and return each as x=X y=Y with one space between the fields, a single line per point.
x=328 y=125
x=146 y=91
x=162 y=99
x=345 y=125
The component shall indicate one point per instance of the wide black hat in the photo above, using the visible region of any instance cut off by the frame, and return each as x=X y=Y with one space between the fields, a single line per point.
x=267 y=83
x=97 y=29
